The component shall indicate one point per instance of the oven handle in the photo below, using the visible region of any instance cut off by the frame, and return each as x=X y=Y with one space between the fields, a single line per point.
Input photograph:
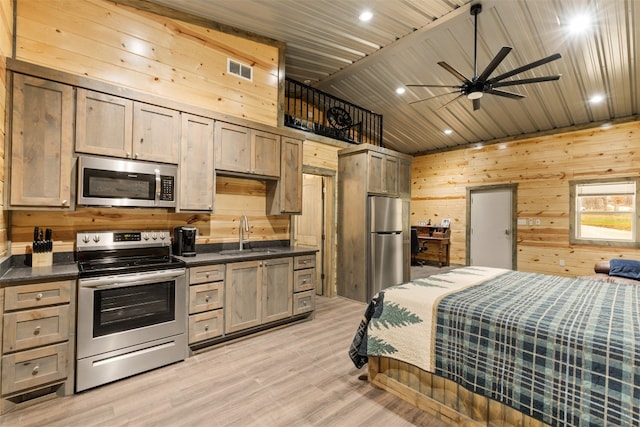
x=125 y=280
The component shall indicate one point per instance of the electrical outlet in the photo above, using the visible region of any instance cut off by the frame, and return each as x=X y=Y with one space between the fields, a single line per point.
x=530 y=221
x=537 y=221
x=561 y=263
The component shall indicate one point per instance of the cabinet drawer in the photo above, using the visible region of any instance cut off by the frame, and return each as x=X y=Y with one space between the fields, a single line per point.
x=304 y=261
x=204 y=326
x=206 y=273
x=27 y=369
x=303 y=302
x=37 y=295
x=207 y=296
x=303 y=280
x=32 y=328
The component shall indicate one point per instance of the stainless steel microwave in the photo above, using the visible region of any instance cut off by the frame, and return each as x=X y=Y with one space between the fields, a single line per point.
x=104 y=181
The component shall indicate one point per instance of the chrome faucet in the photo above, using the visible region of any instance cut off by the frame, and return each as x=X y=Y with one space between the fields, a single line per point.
x=243 y=221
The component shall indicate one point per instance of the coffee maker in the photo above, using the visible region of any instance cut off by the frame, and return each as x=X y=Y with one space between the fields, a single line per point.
x=184 y=241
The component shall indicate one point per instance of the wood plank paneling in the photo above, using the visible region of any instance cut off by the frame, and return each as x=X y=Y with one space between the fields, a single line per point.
x=542 y=167
x=150 y=53
x=318 y=155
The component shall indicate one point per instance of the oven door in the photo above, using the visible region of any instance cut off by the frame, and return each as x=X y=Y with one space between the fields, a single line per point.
x=116 y=312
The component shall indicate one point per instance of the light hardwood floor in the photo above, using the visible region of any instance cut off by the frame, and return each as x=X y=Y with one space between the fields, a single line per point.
x=300 y=375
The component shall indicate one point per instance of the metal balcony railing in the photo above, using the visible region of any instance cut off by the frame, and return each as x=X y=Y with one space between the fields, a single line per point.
x=312 y=110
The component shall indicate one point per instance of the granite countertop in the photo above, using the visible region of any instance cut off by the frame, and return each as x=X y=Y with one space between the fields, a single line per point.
x=53 y=272
x=69 y=270
x=226 y=256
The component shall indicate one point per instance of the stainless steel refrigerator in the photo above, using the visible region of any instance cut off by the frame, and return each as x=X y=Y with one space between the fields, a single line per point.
x=385 y=243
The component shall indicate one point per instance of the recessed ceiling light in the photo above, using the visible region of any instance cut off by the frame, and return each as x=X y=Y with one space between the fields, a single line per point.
x=579 y=23
x=595 y=99
x=366 y=16
x=448 y=131
x=400 y=90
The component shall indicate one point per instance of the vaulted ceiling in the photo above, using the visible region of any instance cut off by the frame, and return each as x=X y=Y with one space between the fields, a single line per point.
x=364 y=63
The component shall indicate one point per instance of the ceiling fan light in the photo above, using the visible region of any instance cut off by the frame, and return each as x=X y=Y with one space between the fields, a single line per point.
x=475 y=95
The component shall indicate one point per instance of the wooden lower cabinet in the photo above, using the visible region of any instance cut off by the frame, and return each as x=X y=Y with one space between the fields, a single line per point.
x=227 y=299
x=205 y=326
x=304 y=284
x=258 y=292
x=206 y=299
x=37 y=342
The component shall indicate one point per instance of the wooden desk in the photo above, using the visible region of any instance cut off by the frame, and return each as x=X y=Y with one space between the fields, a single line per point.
x=436 y=236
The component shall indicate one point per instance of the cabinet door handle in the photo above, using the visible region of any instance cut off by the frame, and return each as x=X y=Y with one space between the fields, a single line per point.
x=39 y=296
x=35 y=370
x=206 y=298
x=206 y=327
x=36 y=330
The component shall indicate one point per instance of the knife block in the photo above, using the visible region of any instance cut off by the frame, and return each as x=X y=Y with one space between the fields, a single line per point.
x=42 y=259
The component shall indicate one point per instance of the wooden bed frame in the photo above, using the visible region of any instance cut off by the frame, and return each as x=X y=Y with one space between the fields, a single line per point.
x=443 y=398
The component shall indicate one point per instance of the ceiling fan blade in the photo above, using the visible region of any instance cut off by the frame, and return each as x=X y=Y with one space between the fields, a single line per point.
x=495 y=62
x=506 y=94
x=449 y=102
x=476 y=104
x=437 y=96
x=449 y=86
x=525 y=68
x=453 y=71
x=526 y=81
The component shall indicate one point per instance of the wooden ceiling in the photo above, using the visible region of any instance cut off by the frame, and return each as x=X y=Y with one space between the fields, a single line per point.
x=364 y=62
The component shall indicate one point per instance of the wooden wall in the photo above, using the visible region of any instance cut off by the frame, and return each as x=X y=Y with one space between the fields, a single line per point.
x=149 y=53
x=6 y=35
x=542 y=167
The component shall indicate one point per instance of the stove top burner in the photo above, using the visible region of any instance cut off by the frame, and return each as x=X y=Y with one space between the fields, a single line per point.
x=108 y=253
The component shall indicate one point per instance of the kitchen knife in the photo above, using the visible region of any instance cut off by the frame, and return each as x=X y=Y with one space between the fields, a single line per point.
x=35 y=247
x=47 y=240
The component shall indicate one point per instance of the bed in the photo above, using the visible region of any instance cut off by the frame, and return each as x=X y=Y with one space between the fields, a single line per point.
x=486 y=346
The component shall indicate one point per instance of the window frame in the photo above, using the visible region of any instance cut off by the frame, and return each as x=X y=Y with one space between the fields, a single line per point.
x=573 y=217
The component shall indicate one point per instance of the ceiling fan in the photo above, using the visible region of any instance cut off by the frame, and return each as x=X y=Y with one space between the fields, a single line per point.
x=478 y=85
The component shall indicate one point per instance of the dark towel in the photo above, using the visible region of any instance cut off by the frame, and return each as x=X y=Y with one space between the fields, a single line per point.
x=624 y=268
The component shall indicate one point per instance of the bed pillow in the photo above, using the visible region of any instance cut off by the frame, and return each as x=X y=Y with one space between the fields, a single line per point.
x=624 y=268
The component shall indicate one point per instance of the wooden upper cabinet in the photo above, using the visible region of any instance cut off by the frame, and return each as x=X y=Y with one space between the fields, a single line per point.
x=246 y=151
x=112 y=126
x=404 y=178
x=265 y=156
x=42 y=143
x=285 y=195
x=232 y=148
x=156 y=133
x=104 y=124
x=197 y=177
x=383 y=174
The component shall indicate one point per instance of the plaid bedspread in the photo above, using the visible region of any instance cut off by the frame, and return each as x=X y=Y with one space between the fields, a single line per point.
x=564 y=351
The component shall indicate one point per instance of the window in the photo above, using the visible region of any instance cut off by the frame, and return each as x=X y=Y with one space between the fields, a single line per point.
x=604 y=212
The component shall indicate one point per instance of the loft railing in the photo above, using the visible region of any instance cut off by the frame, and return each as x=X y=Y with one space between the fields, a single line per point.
x=312 y=110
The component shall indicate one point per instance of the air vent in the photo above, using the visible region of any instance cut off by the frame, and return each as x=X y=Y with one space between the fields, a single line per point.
x=240 y=70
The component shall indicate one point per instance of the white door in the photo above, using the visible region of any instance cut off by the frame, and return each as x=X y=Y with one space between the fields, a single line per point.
x=491 y=240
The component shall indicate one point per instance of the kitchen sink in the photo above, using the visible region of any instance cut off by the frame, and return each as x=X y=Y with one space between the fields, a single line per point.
x=249 y=251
